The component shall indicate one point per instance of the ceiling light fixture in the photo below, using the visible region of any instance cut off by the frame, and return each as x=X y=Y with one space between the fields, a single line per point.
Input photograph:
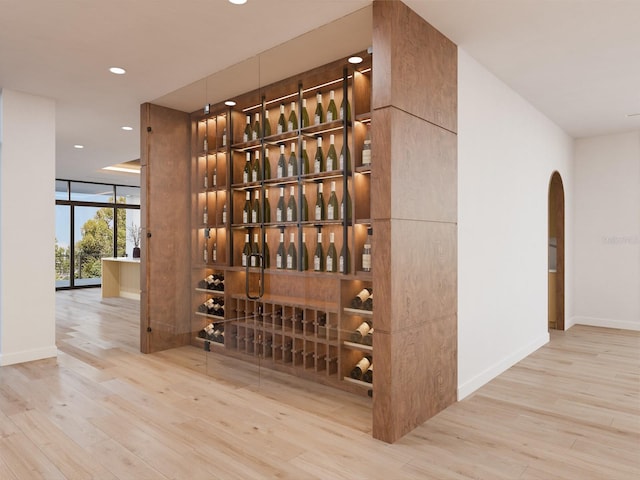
x=122 y=169
x=128 y=129
x=117 y=70
x=238 y=2
x=355 y=59
x=78 y=146
x=230 y=103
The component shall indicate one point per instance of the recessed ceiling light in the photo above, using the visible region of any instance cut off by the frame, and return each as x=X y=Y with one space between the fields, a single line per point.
x=128 y=129
x=238 y=2
x=117 y=70
x=230 y=103
x=355 y=59
x=78 y=146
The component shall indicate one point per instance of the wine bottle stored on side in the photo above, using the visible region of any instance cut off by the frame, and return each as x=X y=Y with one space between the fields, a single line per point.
x=368 y=338
x=280 y=207
x=255 y=169
x=255 y=131
x=304 y=160
x=280 y=254
x=246 y=251
x=318 y=116
x=248 y=130
x=332 y=255
x=332 y=109
x=304 y=209
x=292 y=165
x=319 y=209
x=267 y=124
x=318 y=160
x=292 y=253
x=255 y=250
x=246 y=172
x=368 y=375
x=332 y=157
x=282 y=123
x=292 y=205
x=318 y=256
x=305 y=114
x=366 y=252
x=368 y=303
x=266 y=208
x=361 y=367
x=246 y=211
x=304 y=255
x=292 y=124
x=361 y=332
x=333 y=210
x=282 y=166
x=255 y=208
x=360 y=298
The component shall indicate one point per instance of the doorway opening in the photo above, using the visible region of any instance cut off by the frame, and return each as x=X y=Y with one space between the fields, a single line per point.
x=556 y=252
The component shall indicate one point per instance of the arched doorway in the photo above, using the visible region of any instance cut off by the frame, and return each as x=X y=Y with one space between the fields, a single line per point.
x=556 y=252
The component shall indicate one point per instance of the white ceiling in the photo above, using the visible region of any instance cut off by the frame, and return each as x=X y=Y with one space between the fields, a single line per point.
x=577 y=61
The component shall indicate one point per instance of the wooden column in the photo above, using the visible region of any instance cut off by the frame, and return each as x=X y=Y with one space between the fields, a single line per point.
x=414 y=204
x=165 y=211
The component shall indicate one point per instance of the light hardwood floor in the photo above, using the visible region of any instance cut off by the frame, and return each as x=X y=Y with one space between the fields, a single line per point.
x=103 y=410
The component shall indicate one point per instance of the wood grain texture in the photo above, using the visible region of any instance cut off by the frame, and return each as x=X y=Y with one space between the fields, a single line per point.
x=165 y=214
x=556 y=229
x=104 y=410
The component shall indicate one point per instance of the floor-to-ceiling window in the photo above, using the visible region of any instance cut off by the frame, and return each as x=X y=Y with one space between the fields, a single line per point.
x=93 y=221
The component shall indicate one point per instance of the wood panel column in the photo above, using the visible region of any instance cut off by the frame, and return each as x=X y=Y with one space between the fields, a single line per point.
x=414 y=205
x=165 y=217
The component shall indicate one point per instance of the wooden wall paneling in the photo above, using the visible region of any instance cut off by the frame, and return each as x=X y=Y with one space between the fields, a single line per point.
x=165 y=259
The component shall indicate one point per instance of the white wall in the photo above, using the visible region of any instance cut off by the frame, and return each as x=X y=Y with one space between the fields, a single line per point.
x=607 y=231
x=507 y=152
x=27 y=227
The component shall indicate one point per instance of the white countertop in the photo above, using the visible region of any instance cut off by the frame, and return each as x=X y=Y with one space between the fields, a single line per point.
x=122 y=259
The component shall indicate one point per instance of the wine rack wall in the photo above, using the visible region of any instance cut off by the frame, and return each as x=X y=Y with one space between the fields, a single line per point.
x=281 y=211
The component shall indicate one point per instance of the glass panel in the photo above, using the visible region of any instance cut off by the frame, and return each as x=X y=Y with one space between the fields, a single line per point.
x=93 y=230
x=128 y=195
x=62 y=192
x=63 y=242
x=91 y=192
x=128 y=231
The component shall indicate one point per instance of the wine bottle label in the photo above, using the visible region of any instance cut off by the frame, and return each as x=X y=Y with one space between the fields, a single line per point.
x=205 y=217
x=341 y=264
x=289 y=262
x=278 y=214
x=254 y=216
x=278 y=261
x=316 y=263
x=215 y=179
x=364 y=364
x=244 y=259
x=206 y=181
x=363 y=294
x=214 y=254
x=366 y=155
x=245 y=137
x=245 y=177
x=224 y=139
x=341 y=162
x=318 y=212
x=329 y=116
x=290 y=171
x=330 y=165
x=206 y=257
x=289 y=214
x=254 y=261
x=366 y=261
x=280 y=173
x=330 y=212
x=245 y=217
x=206 y=145
x=363 y=329
x=254 y=175
x=316 y=166
x=329 y=264
x=290 y=126
x=224 y=216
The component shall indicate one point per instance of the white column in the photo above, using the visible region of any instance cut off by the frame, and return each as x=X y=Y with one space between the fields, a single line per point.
x=27 y=227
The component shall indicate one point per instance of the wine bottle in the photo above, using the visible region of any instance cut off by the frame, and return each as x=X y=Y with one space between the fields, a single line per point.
x=280 y=208
x=246 y=173
x=215 y=176
x=344 y=260
x=266 y=256
x=361 y=367
x=255 y=132
x=342 y=115
x=224 y=214
x=205 y=215
x=280 y=255
x=305 y=114
x=318 y=161
x=255 y=208
x=332 y=205
x=368 y=338
x=332 y=110
x=318 y=255
x=205 y=253
x=304 y=160
x=319 y=204
x=246 y=210
x=205 y=145
x=255 y=250
x=366 y=150
x=248 y=131
x=345 y=152
x=304 y=256
x=332 y=255
x=255 y=170
x=205 y=183
x=358 y=335
x=368 y=303
x=304 y=212
x=214 y=252
x=246 y=251
x=292 y=254
x=368 y=375
x=267 y=165
x=366 y=252
x=291 y=205
x=281 y=163
x=267 y=124
x=360 y=298
x=332 y=156
x=282 y=123
x=292 y=165
x=266 y=208
x=318 y=116
x=346 y=207
x=224 y=137
x=293 y=118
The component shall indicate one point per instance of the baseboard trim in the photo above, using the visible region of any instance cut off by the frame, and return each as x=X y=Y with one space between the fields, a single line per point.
x=496 y=369
x=28 y=355
x=604 y=322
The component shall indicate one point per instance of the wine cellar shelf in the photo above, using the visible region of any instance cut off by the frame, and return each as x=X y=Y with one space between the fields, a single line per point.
x=281 y=224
